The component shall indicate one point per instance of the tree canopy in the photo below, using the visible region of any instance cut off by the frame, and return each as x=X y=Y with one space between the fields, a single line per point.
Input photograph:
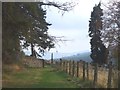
x=111 y=23
x=24 y=24
x=111 y=29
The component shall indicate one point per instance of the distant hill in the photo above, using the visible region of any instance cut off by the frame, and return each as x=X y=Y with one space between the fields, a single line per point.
x=68 y=56
x=80 y=56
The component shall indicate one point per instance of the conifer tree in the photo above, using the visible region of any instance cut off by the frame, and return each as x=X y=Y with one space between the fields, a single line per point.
x=26 y=22
x=98 y=50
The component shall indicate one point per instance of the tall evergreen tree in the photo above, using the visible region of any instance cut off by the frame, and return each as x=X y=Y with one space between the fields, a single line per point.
x=98 y=50
x=38 y=33
x=26 y=22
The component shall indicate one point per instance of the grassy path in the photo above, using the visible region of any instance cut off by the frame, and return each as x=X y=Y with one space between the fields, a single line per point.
x=37 y=78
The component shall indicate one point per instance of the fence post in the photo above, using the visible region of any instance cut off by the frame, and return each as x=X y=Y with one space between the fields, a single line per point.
x=51 y=58
x=83 y=70
x=56 y=65
x=87 y=69
x=63 y=65
x=70 y=67
x=118 y=80
x=66 y=66
x=60 y=63
x=80 y=67
x=95 y=75
x=77 y=68
x=73 y=68
x=109 y=75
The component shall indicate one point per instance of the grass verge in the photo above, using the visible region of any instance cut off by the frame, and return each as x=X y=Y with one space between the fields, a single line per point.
x=36 y=78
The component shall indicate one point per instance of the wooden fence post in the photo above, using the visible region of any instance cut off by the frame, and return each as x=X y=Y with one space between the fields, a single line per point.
x=95 y=75
x=66 y=66
x=87 y=69
x=63 y=65
x=73 y=67
x=56 y=65
x=118 y=79
x=80 y=67
x=109 y=75
x=77 y=68
x=51 y=58
x=70 y=67
x=60 y=63
x=83 y=70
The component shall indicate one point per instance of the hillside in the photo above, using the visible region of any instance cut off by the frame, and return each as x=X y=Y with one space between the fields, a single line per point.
x=80 y=56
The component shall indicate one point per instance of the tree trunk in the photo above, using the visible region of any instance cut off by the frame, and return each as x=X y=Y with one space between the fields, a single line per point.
x=32 y=50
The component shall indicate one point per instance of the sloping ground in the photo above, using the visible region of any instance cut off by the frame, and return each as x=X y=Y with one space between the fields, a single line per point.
x=37 y=78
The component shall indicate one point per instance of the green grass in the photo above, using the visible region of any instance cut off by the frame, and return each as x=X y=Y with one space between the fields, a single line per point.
x=47 y=77
x=37 y=78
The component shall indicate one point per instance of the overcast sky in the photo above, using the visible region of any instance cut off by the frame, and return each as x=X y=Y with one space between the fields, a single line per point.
x=73 y=25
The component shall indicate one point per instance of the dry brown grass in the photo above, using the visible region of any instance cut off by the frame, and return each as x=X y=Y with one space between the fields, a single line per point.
x=81 y=71
x=102 y=77
x=91 y=73
x=115 y=78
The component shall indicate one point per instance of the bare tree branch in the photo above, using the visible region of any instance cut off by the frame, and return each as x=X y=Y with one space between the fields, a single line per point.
x=67 y=6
